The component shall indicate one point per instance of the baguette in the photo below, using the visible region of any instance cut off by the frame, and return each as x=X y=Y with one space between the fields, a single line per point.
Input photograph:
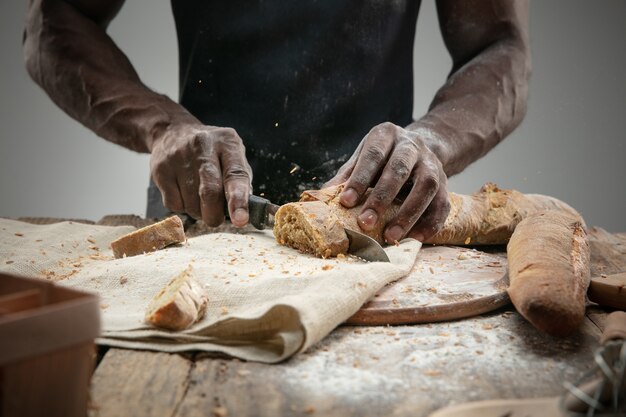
x=549 y=271
x=487 y=217
x=179 y=304
x=150 y=238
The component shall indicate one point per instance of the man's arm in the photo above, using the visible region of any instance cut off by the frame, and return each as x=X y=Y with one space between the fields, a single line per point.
x=69 y=54
x=482 y=101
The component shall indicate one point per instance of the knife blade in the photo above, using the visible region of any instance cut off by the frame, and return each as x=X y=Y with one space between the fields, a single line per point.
x=365 y=247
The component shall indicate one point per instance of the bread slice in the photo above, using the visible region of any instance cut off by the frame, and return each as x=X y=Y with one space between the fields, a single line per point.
x=150 y=238
x=179 y=304
x=310 y=227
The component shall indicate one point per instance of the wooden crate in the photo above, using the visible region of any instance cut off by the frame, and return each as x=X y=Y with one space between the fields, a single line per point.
x=47 y=352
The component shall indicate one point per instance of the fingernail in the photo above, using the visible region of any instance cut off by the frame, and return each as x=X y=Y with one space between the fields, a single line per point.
x=394 y=234
x=240 y=217
x=349 y=197
x=368 y=219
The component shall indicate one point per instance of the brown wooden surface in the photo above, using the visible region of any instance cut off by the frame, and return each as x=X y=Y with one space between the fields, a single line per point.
x=365 y=371
x=446 y=283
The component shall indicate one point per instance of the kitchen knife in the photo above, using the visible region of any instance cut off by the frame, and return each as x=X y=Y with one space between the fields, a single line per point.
x=261 y=212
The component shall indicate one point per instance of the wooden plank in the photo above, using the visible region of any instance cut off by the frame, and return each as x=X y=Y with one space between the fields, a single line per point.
x=139 y=383
x=400 y=371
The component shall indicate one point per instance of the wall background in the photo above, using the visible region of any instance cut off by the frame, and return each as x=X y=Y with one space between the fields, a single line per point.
x=571 y=144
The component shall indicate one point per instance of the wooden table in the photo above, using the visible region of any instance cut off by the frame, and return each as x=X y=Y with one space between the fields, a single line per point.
x=364 y=371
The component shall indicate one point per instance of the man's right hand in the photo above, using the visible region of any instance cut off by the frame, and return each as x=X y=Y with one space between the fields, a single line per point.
x=195 y=166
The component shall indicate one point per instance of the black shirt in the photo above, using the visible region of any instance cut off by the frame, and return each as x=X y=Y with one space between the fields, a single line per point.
x=302 y=82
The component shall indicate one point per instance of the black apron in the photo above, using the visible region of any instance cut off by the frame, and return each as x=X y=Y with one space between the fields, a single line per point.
x=302 y=82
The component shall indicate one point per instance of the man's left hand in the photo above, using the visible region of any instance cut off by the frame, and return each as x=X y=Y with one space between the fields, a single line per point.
x=386 y=159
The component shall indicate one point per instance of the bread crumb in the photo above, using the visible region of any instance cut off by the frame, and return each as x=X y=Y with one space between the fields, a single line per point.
x=9 y=262
x=19 y=234
x=123 y=280
x=432 y=372
x=430 y=268
x=252 y=275
x=224 y=311
x=327 y=267
x=462 y=256
x=468 y=240
x=219 y=411
x=91 y=241
x=104 y=306
x=243 y=372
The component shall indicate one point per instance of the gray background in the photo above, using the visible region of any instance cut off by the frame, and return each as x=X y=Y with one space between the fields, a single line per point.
x=571 y=144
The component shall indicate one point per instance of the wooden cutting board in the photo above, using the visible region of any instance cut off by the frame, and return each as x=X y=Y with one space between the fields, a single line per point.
x=446 y=283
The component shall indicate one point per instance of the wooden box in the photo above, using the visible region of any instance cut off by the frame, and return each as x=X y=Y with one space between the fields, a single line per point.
x=47 y=352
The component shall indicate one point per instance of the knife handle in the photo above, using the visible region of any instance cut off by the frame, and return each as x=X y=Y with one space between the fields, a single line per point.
x=258 y=211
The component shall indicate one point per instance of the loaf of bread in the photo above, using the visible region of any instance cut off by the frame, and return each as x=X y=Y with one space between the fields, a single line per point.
x=487 y=217
x=181 y=303
x=549 y=273
x=317 y=222
x=150 y=238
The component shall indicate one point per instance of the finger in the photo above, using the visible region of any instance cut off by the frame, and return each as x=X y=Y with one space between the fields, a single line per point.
x=211 y=192
x=394 y=176
x=188 y=186
x=170 y=193
x=426 y=182
x=434 y=216
x=237 y=179
x=370 y=161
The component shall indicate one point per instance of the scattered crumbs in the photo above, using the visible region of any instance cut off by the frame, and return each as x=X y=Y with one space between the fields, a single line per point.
x=41 y=240
x=468 y=240
x=224 y=311
x=243 y=372
x=432 y=289
x=494 y=264
x=603 y=275
x=390 y=333
x=309 y=410
x=341 y=256
x=462 y=256
x=252 y=275
x=395 y=301
x=327 y=267
x=90 y=240
x=430 y=268
x=487 y=326
x=94 y=248
x=19 y=234
x=9 y=262
x=357 y=331
x=123 y=280
x=432 y=372
x=219 y=411
x=285 y=271
x=479 y=352
x=104 y=306
x=356 y=364
x=444 y=334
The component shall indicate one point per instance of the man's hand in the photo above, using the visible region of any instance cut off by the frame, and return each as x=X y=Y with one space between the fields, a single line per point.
x=194 y=166
x=388 y=158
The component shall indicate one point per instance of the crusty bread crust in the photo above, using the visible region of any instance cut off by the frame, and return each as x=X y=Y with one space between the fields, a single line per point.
x=549 y=273
x=489 y=216
x=179 y=304
x=150 y=238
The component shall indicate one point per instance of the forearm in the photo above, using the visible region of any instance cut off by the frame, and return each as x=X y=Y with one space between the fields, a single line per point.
x=73 y=59
x=479 y=105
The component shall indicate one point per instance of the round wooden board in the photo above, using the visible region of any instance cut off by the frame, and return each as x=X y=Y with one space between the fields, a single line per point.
x=446 y=283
